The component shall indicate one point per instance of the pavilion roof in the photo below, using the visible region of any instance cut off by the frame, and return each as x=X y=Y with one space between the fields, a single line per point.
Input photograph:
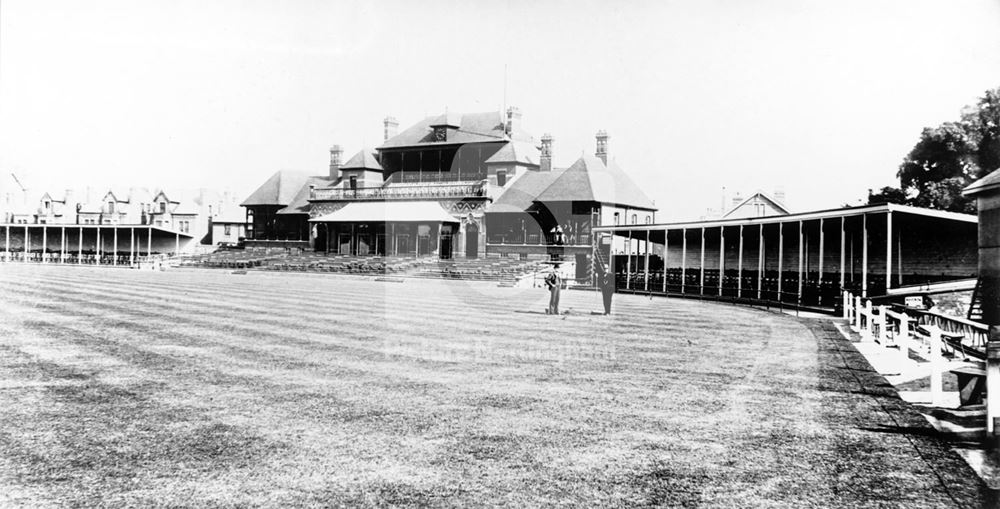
x=589 y=179
x=471 y=128
x=280 y=189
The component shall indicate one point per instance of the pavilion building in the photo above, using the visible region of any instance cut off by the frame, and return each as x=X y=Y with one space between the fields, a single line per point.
x=452 y=185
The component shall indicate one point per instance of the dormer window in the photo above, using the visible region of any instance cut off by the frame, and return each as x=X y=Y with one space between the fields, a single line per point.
x=163 y=207
x=440 y=133
x=47 y=204
x=111 y=207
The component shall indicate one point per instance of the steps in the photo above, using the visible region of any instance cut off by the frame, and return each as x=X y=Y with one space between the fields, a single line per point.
x=976 y=306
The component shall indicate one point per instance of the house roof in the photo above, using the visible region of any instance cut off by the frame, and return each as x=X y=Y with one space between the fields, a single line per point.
x=363 y=160
x=300 y=202
x=987 y=183
x=280 y=189
x=521 y=194
x=589 y=179
x=774 y=203
x=518 y=152
x=186 y=207
x=472 y=127
x=91 y=207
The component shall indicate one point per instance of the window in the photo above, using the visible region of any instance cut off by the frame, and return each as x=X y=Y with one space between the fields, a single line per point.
x=228 y=230
x=635 y=218
x=354 y=183
x=163 y=207
x=649 y=219
x=111 y=207
x=47 y=204
x=617 y=218
x=501 y=178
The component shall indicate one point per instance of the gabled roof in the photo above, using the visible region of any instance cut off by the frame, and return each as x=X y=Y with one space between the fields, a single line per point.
x=165 y=196
x=521 y=194
x=472 y=127
x=363 y=160
x=300 y=202
x=767 y=199
x=120 y=195
x=518 y=152
x=589 y=179
x=987 y=183
x=280 y=189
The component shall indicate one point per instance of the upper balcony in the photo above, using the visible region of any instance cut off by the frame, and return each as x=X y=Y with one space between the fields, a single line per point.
x=407 y=191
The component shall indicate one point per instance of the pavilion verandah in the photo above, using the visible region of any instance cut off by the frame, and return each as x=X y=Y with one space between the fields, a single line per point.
x=388 y=228
x=805 y=259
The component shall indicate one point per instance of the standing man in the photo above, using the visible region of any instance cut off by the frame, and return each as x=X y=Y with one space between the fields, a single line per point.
x=607 y=290
x=554 y=283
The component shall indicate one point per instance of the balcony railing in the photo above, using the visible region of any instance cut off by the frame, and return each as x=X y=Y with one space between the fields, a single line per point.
x=425 y=191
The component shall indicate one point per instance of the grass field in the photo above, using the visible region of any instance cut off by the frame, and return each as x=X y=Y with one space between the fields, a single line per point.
x=203 y=388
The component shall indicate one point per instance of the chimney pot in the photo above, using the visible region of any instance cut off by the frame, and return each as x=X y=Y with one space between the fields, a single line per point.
x=335 y=154
x=390 y=127
x=602 y=146
x=513 y=120
x=545 y=162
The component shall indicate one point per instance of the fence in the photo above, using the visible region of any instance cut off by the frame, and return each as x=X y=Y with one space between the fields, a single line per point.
x=928 y=333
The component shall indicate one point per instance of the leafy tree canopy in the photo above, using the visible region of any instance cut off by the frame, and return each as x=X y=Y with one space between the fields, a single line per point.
x=948 y=158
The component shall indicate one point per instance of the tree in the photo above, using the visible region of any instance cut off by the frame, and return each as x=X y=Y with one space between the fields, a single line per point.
x=948 y=158
x=887 y=194
x=942 y=162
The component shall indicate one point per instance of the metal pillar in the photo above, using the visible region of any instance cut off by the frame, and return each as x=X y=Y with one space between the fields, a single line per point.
x=888 y=251
x=864 y=256
x=701 y=265
x=802 y=252
x=628 y=262
x=114 y=256
x=819 y=273
x=722 y=256
x=666 y=252
x=27 y=241
x=760 y=262
x=739 y=267
x=79 y=246
x=781 y=256
x=684 y=256
x=45 y=243
x=646 y=281
x=843 y=250
x=149 y=241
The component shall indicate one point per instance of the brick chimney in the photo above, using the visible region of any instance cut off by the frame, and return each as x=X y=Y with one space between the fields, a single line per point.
x=335 y=153
x=390 y=127
x=602 y=146
x=513 y=120
x=545 y=161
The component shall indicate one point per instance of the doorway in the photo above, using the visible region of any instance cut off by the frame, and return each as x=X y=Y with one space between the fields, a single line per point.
x=472 y=240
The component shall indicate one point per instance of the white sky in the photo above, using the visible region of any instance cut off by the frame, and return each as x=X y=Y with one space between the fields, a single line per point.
x=824 y=98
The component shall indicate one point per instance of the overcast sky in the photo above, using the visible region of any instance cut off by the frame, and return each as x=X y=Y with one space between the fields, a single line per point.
x=821 y=98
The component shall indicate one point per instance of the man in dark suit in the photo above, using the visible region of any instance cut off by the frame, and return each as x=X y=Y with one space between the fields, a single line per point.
x=607 y=290
x=554 y=283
